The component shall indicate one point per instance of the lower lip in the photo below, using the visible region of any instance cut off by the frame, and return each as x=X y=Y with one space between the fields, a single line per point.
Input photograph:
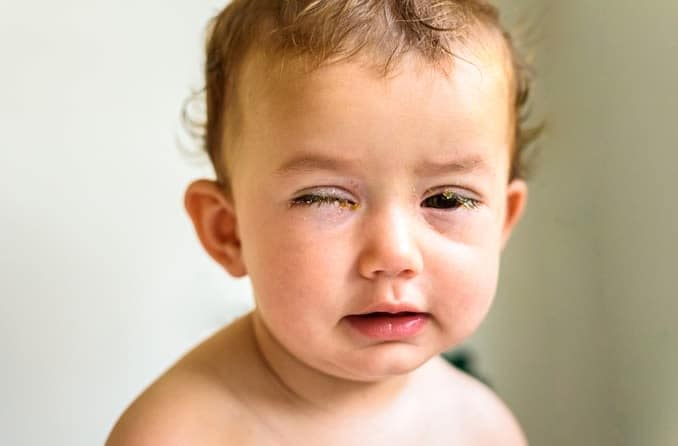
x=389 y=327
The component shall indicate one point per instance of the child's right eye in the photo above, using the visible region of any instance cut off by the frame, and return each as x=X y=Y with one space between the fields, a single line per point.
x=323 y=200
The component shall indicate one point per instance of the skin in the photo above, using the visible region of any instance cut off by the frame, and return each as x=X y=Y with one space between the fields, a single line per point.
x=382 y=152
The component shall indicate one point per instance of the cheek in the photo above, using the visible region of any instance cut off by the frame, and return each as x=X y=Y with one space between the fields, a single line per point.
x=293 y=268
x=298 y=288
x=465 y=290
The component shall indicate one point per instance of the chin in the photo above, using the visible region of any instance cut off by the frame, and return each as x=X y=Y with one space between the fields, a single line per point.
x=389 y=361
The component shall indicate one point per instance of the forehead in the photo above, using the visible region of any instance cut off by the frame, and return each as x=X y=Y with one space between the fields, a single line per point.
x=417 y=106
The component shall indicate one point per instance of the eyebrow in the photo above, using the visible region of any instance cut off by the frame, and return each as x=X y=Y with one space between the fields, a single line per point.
x=310 y=162
x=469 y=164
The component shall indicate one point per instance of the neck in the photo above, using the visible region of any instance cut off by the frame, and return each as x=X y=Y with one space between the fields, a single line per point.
x=314 y=391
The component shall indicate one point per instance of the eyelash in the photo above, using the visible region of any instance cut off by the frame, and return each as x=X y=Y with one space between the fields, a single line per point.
x=450 y=200
x=321 y=200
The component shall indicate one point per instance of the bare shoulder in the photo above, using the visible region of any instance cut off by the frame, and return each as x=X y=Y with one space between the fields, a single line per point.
x=191 y=403
x=183 y=407
x=483 y=417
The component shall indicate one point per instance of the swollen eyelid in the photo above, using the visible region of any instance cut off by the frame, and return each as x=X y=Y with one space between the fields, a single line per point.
x=324 y=200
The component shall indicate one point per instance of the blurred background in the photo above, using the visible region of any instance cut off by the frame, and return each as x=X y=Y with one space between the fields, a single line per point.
x=103 y=284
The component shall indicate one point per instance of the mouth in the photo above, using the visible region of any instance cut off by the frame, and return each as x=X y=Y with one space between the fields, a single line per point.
x=388 y=326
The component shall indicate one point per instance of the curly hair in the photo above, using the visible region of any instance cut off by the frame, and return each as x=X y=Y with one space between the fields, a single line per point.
x=324 y=31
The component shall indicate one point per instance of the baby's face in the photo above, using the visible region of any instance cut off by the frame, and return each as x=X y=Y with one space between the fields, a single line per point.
x=357 y=196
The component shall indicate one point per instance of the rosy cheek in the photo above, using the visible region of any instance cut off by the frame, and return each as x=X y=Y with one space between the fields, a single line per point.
x=464 y=288
x=296 y=256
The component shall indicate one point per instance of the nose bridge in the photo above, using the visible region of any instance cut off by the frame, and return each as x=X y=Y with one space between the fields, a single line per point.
x=390 y=246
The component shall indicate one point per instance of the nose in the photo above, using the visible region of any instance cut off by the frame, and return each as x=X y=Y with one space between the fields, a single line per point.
x=389 y=247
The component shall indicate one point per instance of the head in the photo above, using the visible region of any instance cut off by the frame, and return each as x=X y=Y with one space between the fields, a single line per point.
x=368 y=159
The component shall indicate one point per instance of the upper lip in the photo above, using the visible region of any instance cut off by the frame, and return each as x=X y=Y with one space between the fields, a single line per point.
x=392 y=308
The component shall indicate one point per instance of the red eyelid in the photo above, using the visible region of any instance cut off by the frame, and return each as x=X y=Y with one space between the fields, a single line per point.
x=326 y=191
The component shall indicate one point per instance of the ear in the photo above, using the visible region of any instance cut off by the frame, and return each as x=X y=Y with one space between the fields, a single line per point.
x=215 y=222
x=516 y=198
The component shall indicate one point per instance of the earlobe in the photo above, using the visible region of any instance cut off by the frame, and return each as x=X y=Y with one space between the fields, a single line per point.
x=215 y=223
x=516 y=199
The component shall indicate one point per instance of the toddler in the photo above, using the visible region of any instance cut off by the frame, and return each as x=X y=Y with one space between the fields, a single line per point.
x=368 y=168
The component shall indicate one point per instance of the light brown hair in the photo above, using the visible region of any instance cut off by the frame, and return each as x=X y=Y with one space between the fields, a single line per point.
x=323 y=31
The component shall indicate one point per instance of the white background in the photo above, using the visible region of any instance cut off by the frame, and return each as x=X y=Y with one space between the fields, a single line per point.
x=103 y=284
x=103 y=281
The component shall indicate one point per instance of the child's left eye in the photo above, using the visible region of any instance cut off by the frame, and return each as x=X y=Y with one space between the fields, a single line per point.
x=449 y=200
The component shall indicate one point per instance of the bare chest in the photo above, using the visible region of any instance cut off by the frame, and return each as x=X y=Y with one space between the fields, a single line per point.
x=419 y=427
